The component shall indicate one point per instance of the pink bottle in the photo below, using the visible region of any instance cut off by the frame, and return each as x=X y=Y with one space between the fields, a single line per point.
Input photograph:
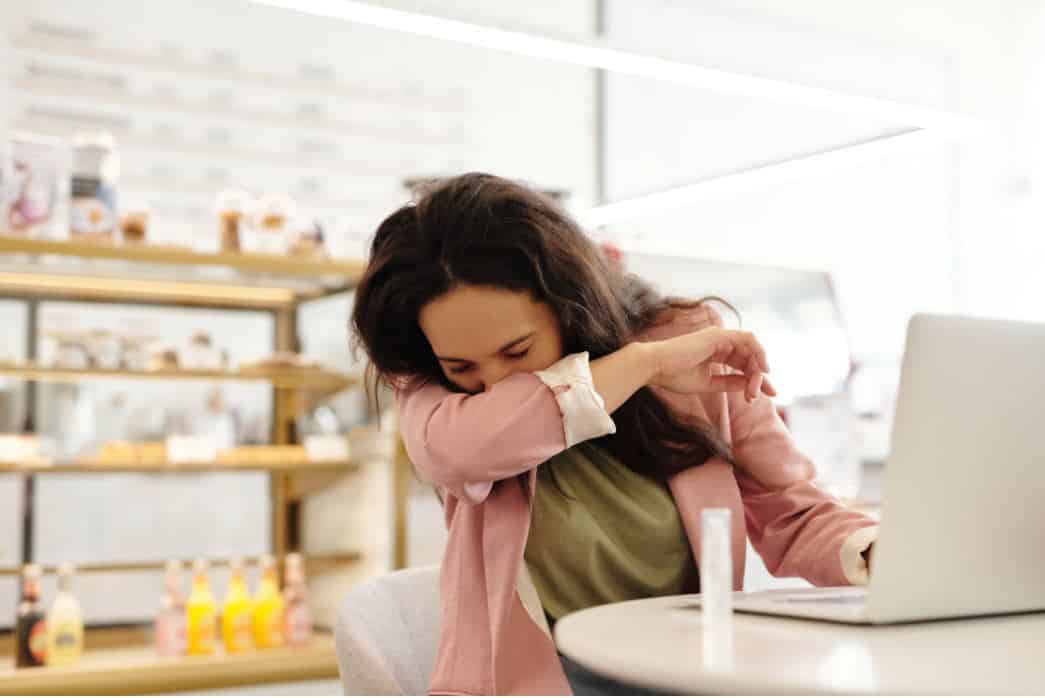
x=170 y=621
x=297 y=614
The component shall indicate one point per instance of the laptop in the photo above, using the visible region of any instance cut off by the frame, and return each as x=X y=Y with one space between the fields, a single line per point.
x=963 y=511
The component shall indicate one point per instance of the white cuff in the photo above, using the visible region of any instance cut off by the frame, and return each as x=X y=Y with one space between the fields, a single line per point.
x=583 y=410
x=853 y=563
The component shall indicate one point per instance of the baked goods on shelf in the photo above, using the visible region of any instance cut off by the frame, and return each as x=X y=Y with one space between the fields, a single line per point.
x=162 y=357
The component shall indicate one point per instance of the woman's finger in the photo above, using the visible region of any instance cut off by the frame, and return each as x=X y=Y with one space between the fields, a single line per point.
x=742 y=345
x=758 y=351
x=768 y=388
x=733 y=360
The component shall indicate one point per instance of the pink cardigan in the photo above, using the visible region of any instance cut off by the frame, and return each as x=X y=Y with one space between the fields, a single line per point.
x=483 y=450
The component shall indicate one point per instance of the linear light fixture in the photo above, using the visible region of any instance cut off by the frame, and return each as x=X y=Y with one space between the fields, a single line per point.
x=597 y=55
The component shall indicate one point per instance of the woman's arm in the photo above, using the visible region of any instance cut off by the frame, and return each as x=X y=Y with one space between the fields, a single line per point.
x=466 y=442
x=799 y=530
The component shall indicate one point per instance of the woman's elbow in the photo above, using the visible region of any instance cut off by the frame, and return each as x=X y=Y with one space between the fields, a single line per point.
x=454 y=469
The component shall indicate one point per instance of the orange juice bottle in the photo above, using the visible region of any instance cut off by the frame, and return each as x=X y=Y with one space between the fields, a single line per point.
x=200 y=612
x=236 y=612
x=267 y=614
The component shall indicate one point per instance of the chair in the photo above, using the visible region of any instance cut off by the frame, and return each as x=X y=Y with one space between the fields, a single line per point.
x=386 y=634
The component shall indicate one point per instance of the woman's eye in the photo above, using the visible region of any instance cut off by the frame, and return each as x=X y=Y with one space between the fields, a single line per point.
x=519 y=355
x=461 y=369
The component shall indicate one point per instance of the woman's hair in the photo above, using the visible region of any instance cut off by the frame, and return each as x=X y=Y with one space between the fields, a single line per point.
x=482 y=230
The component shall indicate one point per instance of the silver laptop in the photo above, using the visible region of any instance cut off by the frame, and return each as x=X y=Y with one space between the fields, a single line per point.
x=963 y=511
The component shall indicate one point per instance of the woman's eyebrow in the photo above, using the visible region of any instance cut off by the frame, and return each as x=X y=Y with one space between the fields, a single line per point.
x=506 y=347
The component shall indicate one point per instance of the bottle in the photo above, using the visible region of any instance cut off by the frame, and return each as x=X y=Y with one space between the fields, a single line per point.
x=298 y=620
x=201 y=613
x=267 y=615
x=170 y=621
x=64 y=622
x=95 y=172
x=716 y=588
x=235 y=615
x=716 y=565
x=30 y=626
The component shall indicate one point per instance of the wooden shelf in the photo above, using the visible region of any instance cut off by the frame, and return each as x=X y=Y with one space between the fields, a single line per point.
x=106 y=468
x=304 y=379
x=315 y=563
x=153 y=291
x=135 y=669
x=350 y=269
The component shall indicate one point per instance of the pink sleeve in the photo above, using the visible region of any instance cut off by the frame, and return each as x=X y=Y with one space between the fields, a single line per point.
x=797 y=529
x=465 y=443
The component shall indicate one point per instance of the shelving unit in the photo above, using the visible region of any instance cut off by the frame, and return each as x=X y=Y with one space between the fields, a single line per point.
x=292 y=388
x=40 y=270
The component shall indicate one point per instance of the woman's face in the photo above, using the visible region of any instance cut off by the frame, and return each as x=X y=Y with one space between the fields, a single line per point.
x=481 y=335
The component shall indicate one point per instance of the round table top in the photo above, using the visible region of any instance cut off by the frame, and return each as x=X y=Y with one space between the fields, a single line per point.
x=658 y=644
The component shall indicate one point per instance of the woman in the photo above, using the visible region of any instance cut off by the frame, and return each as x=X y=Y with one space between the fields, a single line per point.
x=574 y=424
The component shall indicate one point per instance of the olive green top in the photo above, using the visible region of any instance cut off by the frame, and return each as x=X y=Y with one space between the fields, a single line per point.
x=602 y=533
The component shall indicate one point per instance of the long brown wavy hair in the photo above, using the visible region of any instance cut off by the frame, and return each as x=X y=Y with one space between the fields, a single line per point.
x=482 y=230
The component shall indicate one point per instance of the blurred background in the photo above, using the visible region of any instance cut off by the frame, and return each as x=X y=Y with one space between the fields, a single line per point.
x=829 y=168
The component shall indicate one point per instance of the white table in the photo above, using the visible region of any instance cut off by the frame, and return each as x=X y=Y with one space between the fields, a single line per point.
x=658 y=644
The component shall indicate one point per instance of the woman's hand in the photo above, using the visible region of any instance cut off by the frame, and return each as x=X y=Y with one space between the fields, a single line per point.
x=692 y=363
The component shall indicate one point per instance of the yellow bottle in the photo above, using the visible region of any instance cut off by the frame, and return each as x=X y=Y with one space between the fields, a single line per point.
x=267 y=618
x=64 y=623
x=200 y=613
x=236 y=613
